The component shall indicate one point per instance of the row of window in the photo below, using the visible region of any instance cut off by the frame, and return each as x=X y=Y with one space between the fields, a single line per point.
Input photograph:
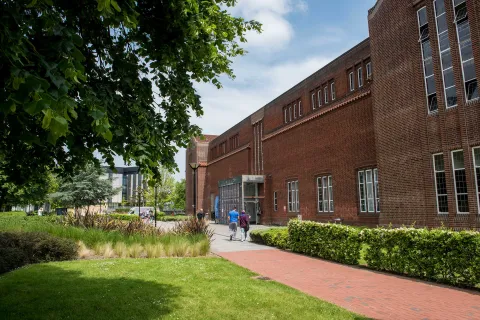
x=368 y=193
x=351 y=76
x=221 y=148
x=466 y=54
x=460 y=179
x=292 y=111
x=317 y=97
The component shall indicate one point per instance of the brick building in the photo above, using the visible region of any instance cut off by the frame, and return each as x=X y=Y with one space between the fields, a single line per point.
x=385 y=133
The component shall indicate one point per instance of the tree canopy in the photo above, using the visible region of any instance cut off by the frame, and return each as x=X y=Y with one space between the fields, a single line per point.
x=85 y=189
x=116 y=76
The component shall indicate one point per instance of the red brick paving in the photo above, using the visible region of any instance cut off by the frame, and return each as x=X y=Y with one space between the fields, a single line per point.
x=373 y=294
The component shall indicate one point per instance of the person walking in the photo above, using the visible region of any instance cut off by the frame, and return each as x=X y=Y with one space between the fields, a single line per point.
x=200 y=214
x=244 y=225
x=233 y=222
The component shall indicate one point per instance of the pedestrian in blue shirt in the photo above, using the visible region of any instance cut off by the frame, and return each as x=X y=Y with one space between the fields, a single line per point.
x=233 y=220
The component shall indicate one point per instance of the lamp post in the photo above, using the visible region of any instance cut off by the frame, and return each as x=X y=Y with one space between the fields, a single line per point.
x=194 y=167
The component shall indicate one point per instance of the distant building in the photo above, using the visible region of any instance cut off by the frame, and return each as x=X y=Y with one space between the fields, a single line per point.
x=128 y=179
x=387 y=133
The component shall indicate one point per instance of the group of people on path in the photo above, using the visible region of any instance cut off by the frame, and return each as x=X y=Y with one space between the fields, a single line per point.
x=234 y=218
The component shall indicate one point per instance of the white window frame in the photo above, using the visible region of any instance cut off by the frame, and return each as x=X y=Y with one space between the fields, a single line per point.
x=295 y=111
x=325 y=189
x=275 y=201
x=320 y=97
x=290 y=112
x=285 y=112
x=440 y=54
x=332 y=91
x=475 y=166
x=435 y=171
x=325 y=94
x=313 y=101
x=376 y=190
x=360 y=77
x=423 y=66
x=368 y=67
x=460 y=52
x=362 y=195
x=455 y=179
x=293 y=196
x=351 y=79
x=299 y=108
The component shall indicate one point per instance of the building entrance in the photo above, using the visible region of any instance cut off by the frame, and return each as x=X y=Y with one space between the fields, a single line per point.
x=241 y=192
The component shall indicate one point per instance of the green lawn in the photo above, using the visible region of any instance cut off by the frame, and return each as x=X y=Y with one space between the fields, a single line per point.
x=12 y=214
x=175 y=288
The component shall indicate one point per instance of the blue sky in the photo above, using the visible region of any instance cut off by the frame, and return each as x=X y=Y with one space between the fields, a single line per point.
x=300 y=37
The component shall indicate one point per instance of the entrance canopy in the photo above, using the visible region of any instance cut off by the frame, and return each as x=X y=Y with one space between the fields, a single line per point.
x=240 y=192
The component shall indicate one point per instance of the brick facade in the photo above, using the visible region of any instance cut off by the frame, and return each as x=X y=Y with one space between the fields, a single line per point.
x=385 y=124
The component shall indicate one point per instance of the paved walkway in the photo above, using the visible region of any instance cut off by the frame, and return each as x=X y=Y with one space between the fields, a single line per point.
x=373 y=294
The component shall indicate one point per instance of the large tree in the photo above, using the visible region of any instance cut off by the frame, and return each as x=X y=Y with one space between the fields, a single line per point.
x=115 y=76
x=88 y=188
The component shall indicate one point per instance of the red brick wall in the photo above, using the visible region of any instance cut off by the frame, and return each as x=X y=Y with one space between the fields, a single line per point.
x=406 y=135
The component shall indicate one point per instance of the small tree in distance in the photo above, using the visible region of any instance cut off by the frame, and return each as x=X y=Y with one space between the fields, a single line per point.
x=86 y=189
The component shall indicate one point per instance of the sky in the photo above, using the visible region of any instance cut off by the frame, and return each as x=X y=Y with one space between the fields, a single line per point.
x=299 y=37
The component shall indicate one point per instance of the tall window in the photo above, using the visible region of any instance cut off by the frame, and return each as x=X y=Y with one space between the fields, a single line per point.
x=368 y=67
x=368 y=190
x=290 y=112
x=332 y=91
x=313 y=101
x=460 y=176
x=299 y=108
x=319 y=95
x=445 y=54
x=440 y=183
x=295 y=111
x=476 y=163
x=466 y=52
x=275 y=201
x=427 y=60
x=293 y=200
x=325 y=93
x=325 y=194
x=360 y=77
x=285 y=115
x=351 y=80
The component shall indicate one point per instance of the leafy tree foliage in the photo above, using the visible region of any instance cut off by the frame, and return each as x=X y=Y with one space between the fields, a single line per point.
x=163 y=185
x=179 y=194
x=109 y=75
x=85 y=189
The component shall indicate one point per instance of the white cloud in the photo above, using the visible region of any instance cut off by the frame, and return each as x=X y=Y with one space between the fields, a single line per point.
x=277 y=31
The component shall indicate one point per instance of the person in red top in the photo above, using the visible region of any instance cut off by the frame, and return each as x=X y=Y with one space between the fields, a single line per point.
x=244 y=225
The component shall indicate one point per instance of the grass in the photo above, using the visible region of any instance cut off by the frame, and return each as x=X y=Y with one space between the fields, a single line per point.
x=187 y=288
x=96 y=242
x=12 y=214
x=172 y=218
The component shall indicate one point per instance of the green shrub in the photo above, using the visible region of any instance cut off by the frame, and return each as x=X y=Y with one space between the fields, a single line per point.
x=20 y=248
x=13 y=214
x=124 y=217
x=122 y=210
x=193 y=227
x=328 y=241
x=171 y=218
x=438 y=254
x=275 y=237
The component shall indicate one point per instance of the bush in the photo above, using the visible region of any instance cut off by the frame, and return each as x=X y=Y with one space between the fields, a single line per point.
x=275 y=237
x=13 y=214
x=171 y=218
x=124 y=217
x=20 y=248
x=122 y=210
x=328 y=241
x=438 y=254
x=193 y=227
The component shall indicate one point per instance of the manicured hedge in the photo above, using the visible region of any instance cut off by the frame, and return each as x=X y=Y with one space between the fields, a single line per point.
x=334 y=242
x=124 y=217
x=122 y=210
x=13 y=214
x=275 y=237
x=171 y=218
x=436 y=254
x=20 y=248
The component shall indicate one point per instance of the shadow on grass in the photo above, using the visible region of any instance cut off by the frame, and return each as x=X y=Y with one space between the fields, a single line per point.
x=49 y=292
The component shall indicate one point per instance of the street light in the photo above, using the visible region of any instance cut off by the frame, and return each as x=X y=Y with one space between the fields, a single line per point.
x=194 y=167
